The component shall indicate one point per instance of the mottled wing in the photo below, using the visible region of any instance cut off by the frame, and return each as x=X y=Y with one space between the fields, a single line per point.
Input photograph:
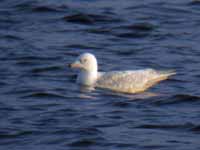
x=125 y=81
x=128 y=81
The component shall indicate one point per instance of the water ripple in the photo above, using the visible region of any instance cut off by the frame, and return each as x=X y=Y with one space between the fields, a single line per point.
x=179 y=99
x=90 y=19
x=41 y=106
x=45 y=95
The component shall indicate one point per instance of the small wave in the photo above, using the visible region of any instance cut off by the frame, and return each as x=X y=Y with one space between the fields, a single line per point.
x=89 y=131
x=37 y=58
x=121 y=104
x=30 y=58
x=41 y=107
x=4 y=107
x=125 y=52
x=106 y=125
x=20 y=90
x=26 y=63
x=178 y=99
x=17 y=134
x=90 y=19
x=44 y=95
x=132 y=35
x=12 y=37
x=124 y=145
x=196 y=129
x=195 y=3
x=35 y=7
x=24 y=5
x=66 y=112
x=80 y=46
x=165 y=126
x=178 y=127
x=83 y=143
x=45 y=69
x=9 y=21
x=137 y=30
x=3 y=83
x=138 y=27
x=99 y=31
x=45 y=9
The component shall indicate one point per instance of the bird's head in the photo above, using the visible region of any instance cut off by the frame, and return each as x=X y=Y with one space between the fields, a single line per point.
x=86 y=62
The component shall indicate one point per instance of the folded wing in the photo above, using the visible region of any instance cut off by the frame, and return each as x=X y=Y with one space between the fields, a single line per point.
x=132 y=81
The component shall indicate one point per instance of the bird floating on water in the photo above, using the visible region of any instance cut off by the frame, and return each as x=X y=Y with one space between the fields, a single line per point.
x=131 y=81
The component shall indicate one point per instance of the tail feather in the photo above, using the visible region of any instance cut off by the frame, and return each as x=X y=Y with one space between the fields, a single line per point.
x=162 y=75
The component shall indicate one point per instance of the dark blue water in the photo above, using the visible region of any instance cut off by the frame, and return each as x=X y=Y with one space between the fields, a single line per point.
x=41 y=107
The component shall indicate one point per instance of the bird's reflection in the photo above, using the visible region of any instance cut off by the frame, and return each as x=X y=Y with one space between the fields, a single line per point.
x=86 y=89
x=88 y=92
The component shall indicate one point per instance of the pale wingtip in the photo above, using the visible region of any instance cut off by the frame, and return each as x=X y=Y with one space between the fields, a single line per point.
x=168 y=72
x=172 y=72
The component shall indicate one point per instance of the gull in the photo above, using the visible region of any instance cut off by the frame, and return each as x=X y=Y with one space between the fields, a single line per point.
x=130 y=81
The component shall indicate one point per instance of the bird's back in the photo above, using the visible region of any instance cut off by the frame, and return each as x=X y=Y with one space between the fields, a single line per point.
x=131 y=81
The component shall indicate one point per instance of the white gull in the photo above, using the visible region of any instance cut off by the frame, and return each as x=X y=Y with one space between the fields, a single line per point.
x=133 y=81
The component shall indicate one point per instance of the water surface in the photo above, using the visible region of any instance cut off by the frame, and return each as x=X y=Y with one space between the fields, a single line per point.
x=41 y=107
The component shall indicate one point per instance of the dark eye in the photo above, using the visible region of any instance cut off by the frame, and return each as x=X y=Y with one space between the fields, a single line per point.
x=83 y=60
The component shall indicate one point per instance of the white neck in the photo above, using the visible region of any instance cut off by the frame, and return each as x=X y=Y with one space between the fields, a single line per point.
x=87 y=78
